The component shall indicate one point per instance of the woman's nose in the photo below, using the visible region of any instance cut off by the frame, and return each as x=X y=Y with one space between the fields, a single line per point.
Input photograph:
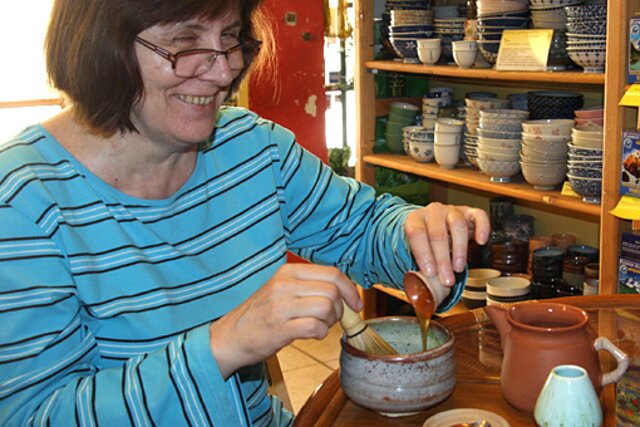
x=220 y=71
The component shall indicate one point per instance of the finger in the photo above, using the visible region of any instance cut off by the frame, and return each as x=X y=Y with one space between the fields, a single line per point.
x=416 y=231
x=459 y=233
x=480 y=225
x=333 y=276
x=438 y=232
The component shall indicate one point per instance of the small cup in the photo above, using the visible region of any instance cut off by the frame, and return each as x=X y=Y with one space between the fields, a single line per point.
x=449 y=125
x=447 y=156
x=465 y=58
x=447 y=138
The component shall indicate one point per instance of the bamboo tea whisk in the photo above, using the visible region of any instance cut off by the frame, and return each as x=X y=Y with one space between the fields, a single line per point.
x=361 y=336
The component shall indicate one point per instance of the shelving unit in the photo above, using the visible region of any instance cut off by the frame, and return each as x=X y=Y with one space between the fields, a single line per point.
x=617 y=118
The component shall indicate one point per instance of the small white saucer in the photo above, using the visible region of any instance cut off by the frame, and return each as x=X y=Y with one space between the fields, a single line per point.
x=465 y=415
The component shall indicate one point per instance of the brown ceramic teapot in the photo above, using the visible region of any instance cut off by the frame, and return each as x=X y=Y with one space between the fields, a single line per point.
x=536 y=337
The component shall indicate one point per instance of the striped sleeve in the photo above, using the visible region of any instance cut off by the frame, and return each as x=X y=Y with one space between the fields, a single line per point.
x=50 y=364
x=338 y=221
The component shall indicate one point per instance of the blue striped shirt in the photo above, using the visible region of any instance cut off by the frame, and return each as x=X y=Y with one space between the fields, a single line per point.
x=105 y=299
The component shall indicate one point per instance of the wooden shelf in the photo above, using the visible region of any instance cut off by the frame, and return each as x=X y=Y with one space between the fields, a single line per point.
x=489 y=74
x=472 y=178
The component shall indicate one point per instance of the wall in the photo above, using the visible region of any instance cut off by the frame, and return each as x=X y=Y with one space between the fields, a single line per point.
x=297 y=99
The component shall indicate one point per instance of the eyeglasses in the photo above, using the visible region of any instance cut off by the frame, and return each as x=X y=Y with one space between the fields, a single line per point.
x=194 y=62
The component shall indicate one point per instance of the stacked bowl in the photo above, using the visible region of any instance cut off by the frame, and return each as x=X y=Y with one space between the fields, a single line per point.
x=475 y=288
x=584 y=167
x=590 y=116
x=418 y=143
x=550 y=14
x=495 y=16
x=499 y=143
x=449 y=30
x=448 y=140
x=543 y=158
x=432 y=102
x=401 y=115
x=473 y=106
x=554 y=104
x=414 y=14
x=586 y=36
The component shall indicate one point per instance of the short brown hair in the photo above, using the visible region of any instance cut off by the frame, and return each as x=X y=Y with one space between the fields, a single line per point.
x=90 y=55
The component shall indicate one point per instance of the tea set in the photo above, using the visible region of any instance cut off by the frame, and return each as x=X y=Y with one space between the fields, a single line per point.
x=550 y=365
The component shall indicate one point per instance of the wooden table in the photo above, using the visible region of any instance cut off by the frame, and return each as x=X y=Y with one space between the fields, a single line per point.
x=478 y=359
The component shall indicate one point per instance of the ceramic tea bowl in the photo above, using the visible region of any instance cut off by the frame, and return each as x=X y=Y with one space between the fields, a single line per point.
x=404 y=384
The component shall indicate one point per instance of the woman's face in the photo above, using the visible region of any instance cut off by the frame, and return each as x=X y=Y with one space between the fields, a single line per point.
x=182 y=110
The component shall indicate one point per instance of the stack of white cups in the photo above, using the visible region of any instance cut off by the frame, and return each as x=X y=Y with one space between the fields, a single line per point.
x=447 y=142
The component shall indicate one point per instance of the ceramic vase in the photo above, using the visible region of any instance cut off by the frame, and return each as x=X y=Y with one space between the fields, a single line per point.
x=568 y=399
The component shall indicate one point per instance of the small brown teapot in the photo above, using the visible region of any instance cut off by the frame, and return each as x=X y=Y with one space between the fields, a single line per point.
x=536 y=337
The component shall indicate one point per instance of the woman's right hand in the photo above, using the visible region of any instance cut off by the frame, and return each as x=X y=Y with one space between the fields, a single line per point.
x=299 y=301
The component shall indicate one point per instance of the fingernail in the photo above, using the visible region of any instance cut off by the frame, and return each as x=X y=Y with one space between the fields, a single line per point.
x=458 y=264
x=430 y=269
x=447 y=278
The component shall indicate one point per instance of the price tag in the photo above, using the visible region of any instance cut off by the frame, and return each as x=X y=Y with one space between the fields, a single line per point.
x=631 y=97
x=568 y=191
x=524 y=50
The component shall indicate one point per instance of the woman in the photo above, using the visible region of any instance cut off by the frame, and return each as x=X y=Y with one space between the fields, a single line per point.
x=145 y=228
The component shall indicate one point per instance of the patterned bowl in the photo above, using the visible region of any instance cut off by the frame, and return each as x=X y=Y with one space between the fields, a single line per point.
x=592 y=60
x=585 y=172
x=589 y=188
x=586 y=11
x=421 y=151
x=406 y=48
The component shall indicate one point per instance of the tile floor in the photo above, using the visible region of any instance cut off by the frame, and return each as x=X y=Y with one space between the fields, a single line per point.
x=306 y=363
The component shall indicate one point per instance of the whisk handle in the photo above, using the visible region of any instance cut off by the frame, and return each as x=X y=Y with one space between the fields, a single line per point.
x=351 y=321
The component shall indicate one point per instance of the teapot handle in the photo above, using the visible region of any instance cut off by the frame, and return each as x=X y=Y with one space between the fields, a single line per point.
x=603 y=343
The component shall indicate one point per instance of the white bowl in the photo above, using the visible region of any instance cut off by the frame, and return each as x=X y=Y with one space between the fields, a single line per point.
x=498 y=157
x=499 y=171
x=504 y=113
x=497 y=143
x=532 y=137
x=487 y=103
x=589 y=131
x=588 y=143
x=544 y=177
x=464 y=45
x=544 y=150
x=548 y=127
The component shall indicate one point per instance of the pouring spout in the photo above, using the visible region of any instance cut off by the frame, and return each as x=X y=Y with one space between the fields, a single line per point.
x=498 y=315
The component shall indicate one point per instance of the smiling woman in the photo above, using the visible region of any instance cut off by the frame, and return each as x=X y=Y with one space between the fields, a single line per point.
x=25 y=97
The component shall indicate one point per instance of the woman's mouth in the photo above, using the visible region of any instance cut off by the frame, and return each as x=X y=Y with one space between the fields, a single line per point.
x=196 y=100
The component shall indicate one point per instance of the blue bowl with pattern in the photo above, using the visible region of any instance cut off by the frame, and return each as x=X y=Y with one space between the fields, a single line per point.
x=589 y=188
x=591 y=11
x=406 y=48
x=581 y=172
x=503 y=21
x=574 y=150
x=587 y=27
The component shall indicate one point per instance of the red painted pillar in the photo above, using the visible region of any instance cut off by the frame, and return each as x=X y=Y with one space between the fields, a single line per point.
x=297 y=101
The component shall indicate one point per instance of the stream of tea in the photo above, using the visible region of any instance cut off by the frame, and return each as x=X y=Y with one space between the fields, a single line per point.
x=424 y=310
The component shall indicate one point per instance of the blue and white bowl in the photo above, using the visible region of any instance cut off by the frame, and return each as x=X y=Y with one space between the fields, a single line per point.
x=587 y=27
x=585 y=172
x=575 y=151
x=406 y=48
x=594 y=11
x=589 y=188
x=592 y=60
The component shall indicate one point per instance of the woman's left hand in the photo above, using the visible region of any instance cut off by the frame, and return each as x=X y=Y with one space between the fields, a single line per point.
x=438 y=235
